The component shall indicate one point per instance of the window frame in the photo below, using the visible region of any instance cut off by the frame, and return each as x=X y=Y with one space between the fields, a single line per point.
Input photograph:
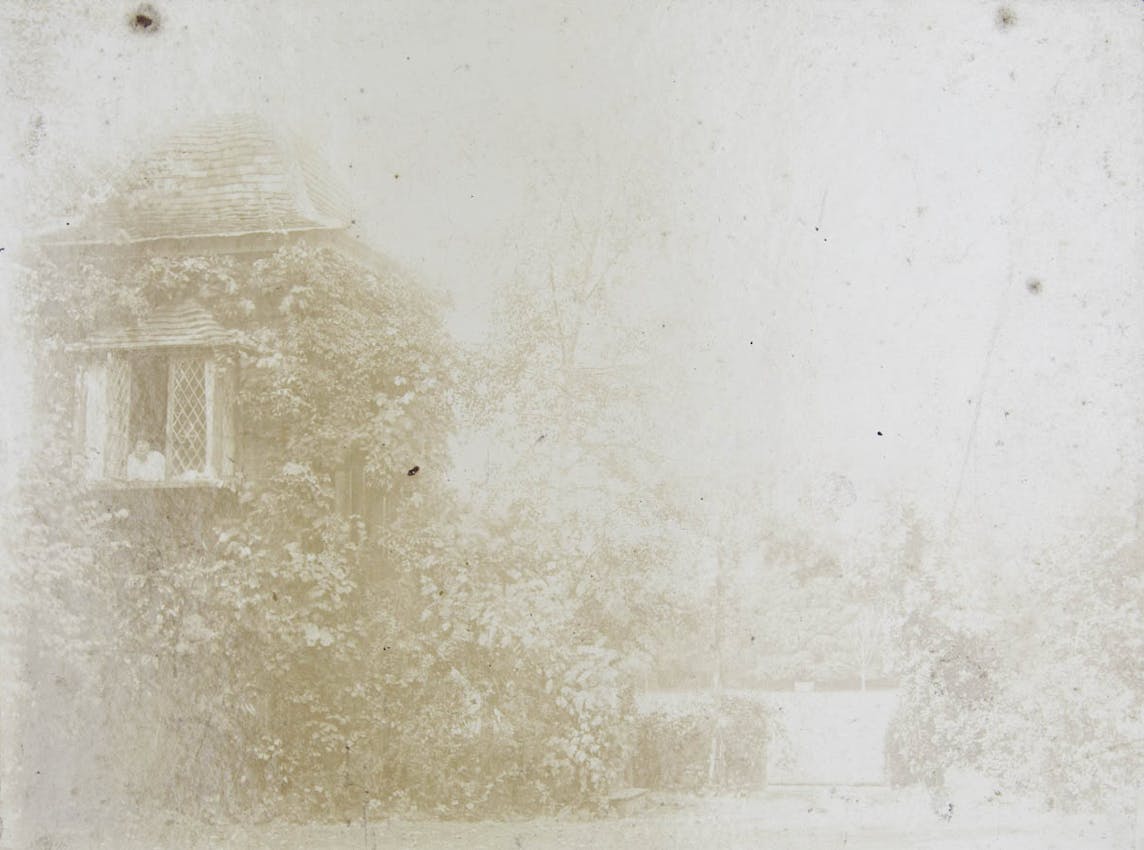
x=103 y=420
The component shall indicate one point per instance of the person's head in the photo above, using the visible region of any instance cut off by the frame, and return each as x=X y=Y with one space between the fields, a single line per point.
x=142 y=449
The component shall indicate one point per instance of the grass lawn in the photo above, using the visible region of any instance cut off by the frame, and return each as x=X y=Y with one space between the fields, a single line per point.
x=779 y=820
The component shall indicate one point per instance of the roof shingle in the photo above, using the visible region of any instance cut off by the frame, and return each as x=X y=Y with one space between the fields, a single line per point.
x=229 y=176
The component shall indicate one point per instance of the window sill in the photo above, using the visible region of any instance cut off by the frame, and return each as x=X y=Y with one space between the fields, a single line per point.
x=171 y=484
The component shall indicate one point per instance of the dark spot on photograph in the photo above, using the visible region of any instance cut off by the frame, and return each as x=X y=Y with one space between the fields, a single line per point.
x=145 y=19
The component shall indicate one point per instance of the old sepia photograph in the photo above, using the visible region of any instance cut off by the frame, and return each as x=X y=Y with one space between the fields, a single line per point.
x=537 y=424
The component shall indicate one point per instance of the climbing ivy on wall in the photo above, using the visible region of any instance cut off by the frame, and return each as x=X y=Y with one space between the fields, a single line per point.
x=256 y=654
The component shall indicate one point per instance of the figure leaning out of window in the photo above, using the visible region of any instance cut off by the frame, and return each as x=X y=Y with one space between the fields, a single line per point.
x=146 y=464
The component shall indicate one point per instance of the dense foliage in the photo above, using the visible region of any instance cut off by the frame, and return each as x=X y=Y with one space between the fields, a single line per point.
x=718 y=744
x=1040 y=693
x=255 y=654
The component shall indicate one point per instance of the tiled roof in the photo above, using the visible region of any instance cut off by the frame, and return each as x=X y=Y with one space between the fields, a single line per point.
x=176 y=326
x=228 y=176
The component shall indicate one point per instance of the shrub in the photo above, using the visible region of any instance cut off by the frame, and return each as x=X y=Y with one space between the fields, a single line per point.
x=946 y=696
x=673 y=749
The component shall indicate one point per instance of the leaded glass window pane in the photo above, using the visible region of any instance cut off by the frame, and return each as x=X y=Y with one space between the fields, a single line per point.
x=186 y=417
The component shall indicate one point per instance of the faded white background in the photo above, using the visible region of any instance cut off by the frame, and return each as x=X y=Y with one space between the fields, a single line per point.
x=834 y=209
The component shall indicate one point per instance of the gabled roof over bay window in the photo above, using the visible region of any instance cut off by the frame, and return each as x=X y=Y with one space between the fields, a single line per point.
x=175 y=326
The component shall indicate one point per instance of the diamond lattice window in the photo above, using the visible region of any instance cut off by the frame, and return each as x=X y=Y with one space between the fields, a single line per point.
x=156 y=401
x=187 y=418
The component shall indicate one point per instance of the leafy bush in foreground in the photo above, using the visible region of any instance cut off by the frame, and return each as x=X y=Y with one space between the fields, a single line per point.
x=256 y=655
x=673 y=749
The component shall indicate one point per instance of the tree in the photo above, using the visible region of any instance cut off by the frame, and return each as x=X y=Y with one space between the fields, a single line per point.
x=1037 y=685
x=568 y=410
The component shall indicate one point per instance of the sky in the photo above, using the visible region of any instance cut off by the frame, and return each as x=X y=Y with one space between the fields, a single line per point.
x=882 y=249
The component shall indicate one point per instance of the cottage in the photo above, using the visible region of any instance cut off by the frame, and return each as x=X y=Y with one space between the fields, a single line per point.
x=157 y=399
